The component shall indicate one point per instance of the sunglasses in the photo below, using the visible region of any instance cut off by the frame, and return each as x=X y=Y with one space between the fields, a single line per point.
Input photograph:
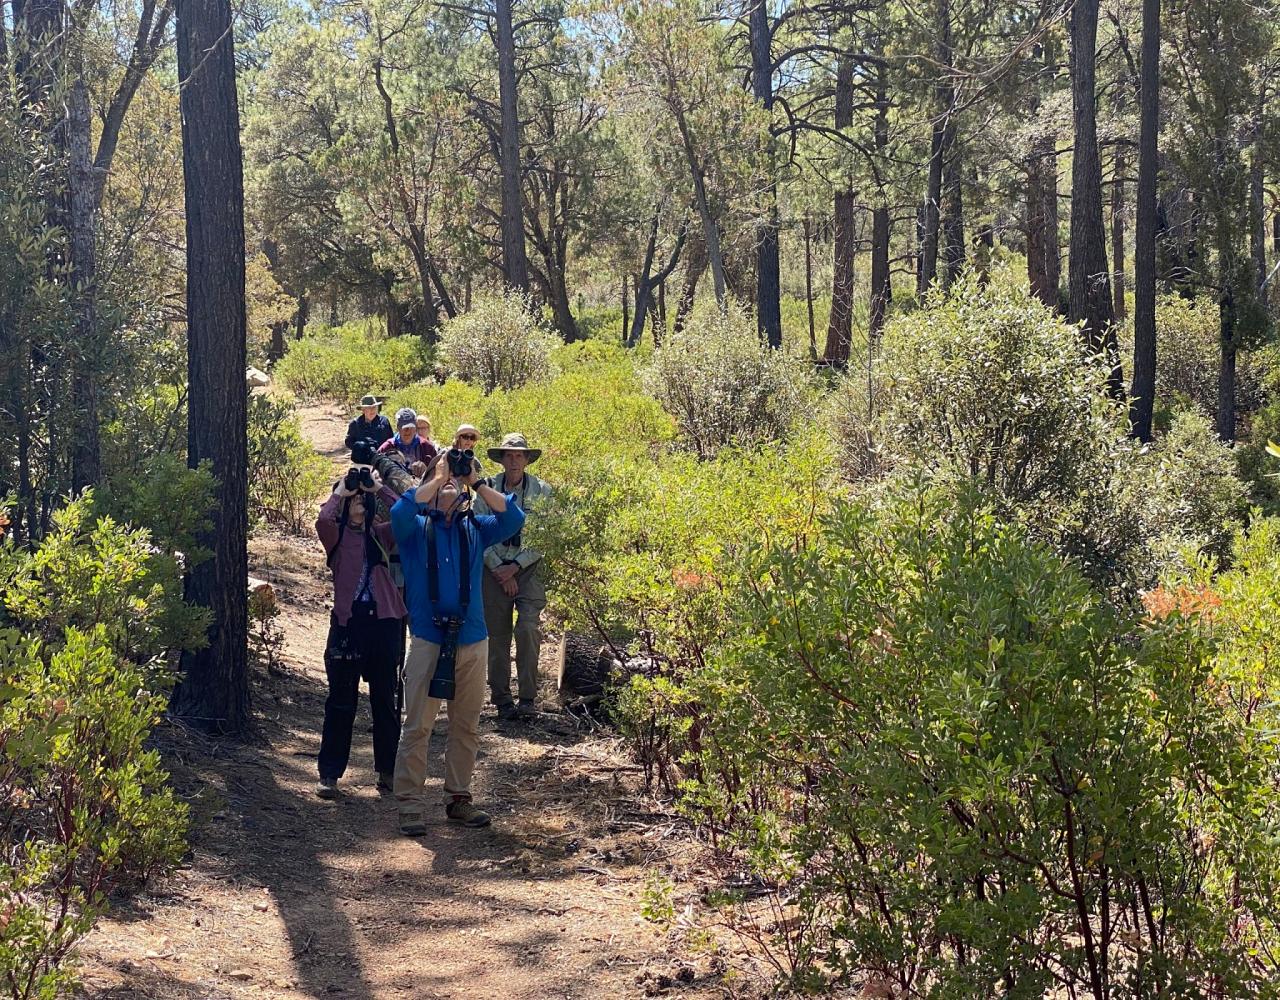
x=467 y=437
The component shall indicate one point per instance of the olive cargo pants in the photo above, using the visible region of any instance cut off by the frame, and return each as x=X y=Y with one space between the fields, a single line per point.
x=526 y=607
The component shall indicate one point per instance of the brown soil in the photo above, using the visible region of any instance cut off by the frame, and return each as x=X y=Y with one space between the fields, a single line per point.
x=285 y=895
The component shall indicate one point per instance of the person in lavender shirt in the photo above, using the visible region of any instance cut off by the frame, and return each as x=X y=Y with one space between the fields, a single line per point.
x=364 y=628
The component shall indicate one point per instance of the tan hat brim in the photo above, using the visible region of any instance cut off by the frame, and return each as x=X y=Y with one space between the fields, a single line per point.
x=495 y=454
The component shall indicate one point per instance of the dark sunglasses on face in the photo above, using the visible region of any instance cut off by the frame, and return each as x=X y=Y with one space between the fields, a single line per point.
x=466 y=437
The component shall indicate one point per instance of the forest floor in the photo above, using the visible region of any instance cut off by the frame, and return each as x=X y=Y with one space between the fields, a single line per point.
x=283 y=895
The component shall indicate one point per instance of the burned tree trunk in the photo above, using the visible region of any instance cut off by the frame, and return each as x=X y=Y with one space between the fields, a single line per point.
x=1088 y=276
x=214 y=689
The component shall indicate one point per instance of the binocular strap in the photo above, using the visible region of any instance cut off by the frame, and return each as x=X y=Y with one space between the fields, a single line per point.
x=442 y=680
x=464 y=569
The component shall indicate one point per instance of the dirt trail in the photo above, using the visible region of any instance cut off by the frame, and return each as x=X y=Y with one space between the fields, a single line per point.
x=284 y=895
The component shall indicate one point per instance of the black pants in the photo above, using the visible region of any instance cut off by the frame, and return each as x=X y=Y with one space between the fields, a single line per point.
x=368 y=648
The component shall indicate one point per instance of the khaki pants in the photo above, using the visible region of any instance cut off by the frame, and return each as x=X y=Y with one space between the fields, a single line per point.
x=420 y=716
x=527 y=606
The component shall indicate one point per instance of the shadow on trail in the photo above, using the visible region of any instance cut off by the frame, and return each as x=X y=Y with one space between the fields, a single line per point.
x=343 y=881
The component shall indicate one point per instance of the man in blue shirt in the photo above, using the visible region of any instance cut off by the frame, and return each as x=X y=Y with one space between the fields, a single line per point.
x=442 y=547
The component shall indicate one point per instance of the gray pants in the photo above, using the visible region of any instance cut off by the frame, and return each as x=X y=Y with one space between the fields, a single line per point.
x=526 y=607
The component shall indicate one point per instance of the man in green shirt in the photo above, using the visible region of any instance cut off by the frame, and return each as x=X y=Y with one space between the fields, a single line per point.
x=513 y=585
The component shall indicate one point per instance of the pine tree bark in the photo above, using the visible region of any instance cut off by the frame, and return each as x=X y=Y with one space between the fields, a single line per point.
x=86 y=462
x=881 y=281
x=1257 y=195
x=953 y=248
x=1044 y=260
x=1088 y=276
x=768 y=280
x=840 y=321
x=214 y=689
x=1142 y=403
x=940 y=142
x=1117 y=233
x=515 y=262
x=695 y=267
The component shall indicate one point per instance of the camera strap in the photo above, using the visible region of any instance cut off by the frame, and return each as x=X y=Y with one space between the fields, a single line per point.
x=433 y=566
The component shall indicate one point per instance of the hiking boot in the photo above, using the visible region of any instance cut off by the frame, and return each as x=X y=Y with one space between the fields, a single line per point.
x=526 y=710
x=385 y=779
x=508 y=712
x=412 y=822
x=464 y=812
x=327 y=788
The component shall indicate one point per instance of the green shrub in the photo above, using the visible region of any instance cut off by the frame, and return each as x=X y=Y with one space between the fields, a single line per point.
x=593 y=409
x=724 y=387
x=286 y=475
x=990 y=386
x=346 y=362
x=988 y=389
x=974 y=777
x=1256 y=467
x=1194 y=497
x=83 y=805
x=499 y=344
x=1188 y=353
x=92 y=572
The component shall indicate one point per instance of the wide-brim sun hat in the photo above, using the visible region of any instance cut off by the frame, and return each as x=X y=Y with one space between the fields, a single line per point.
x=369 y=399
x=515 y=442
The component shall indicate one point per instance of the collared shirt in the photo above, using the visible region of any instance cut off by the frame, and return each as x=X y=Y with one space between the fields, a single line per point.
x=348 y=563
x=379 y=429
x=531 y=492
x=417 y=450
x=409 y=521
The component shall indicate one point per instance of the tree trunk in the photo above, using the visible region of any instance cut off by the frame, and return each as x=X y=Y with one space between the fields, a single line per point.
x=768 y=281
x=953 y=250
x=1143 y=392
x=214 y=689
x=931 y=212
x=1257 y=193
x=1142 y=405
x=1226 y=422
x=881 y=280
x=1089 y=284
x=561 y=307
x=515 y=263
x=1117 y=232
x=625 y=306
x=710 y=228
x=277 y=349
x=1044 y=263
x=695 y=267
x=808 y=287
x=840 y=321
x=940 y=141
x=86 y=464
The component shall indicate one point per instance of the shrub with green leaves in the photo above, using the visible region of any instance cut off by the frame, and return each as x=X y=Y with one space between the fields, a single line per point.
x=500 y=343
x=725 y=387
x=1188 y=349
x=1259 y=469
x=974 y=776
x=987 y=388
x=343 y=363
x=593 y=409
x=93 y=572
x=286 y=476
x=83 y=805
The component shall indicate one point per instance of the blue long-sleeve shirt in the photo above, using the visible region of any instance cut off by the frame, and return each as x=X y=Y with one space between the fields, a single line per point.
x=409 y=522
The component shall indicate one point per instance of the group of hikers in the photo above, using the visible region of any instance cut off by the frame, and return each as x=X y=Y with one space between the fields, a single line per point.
x=416 y=535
